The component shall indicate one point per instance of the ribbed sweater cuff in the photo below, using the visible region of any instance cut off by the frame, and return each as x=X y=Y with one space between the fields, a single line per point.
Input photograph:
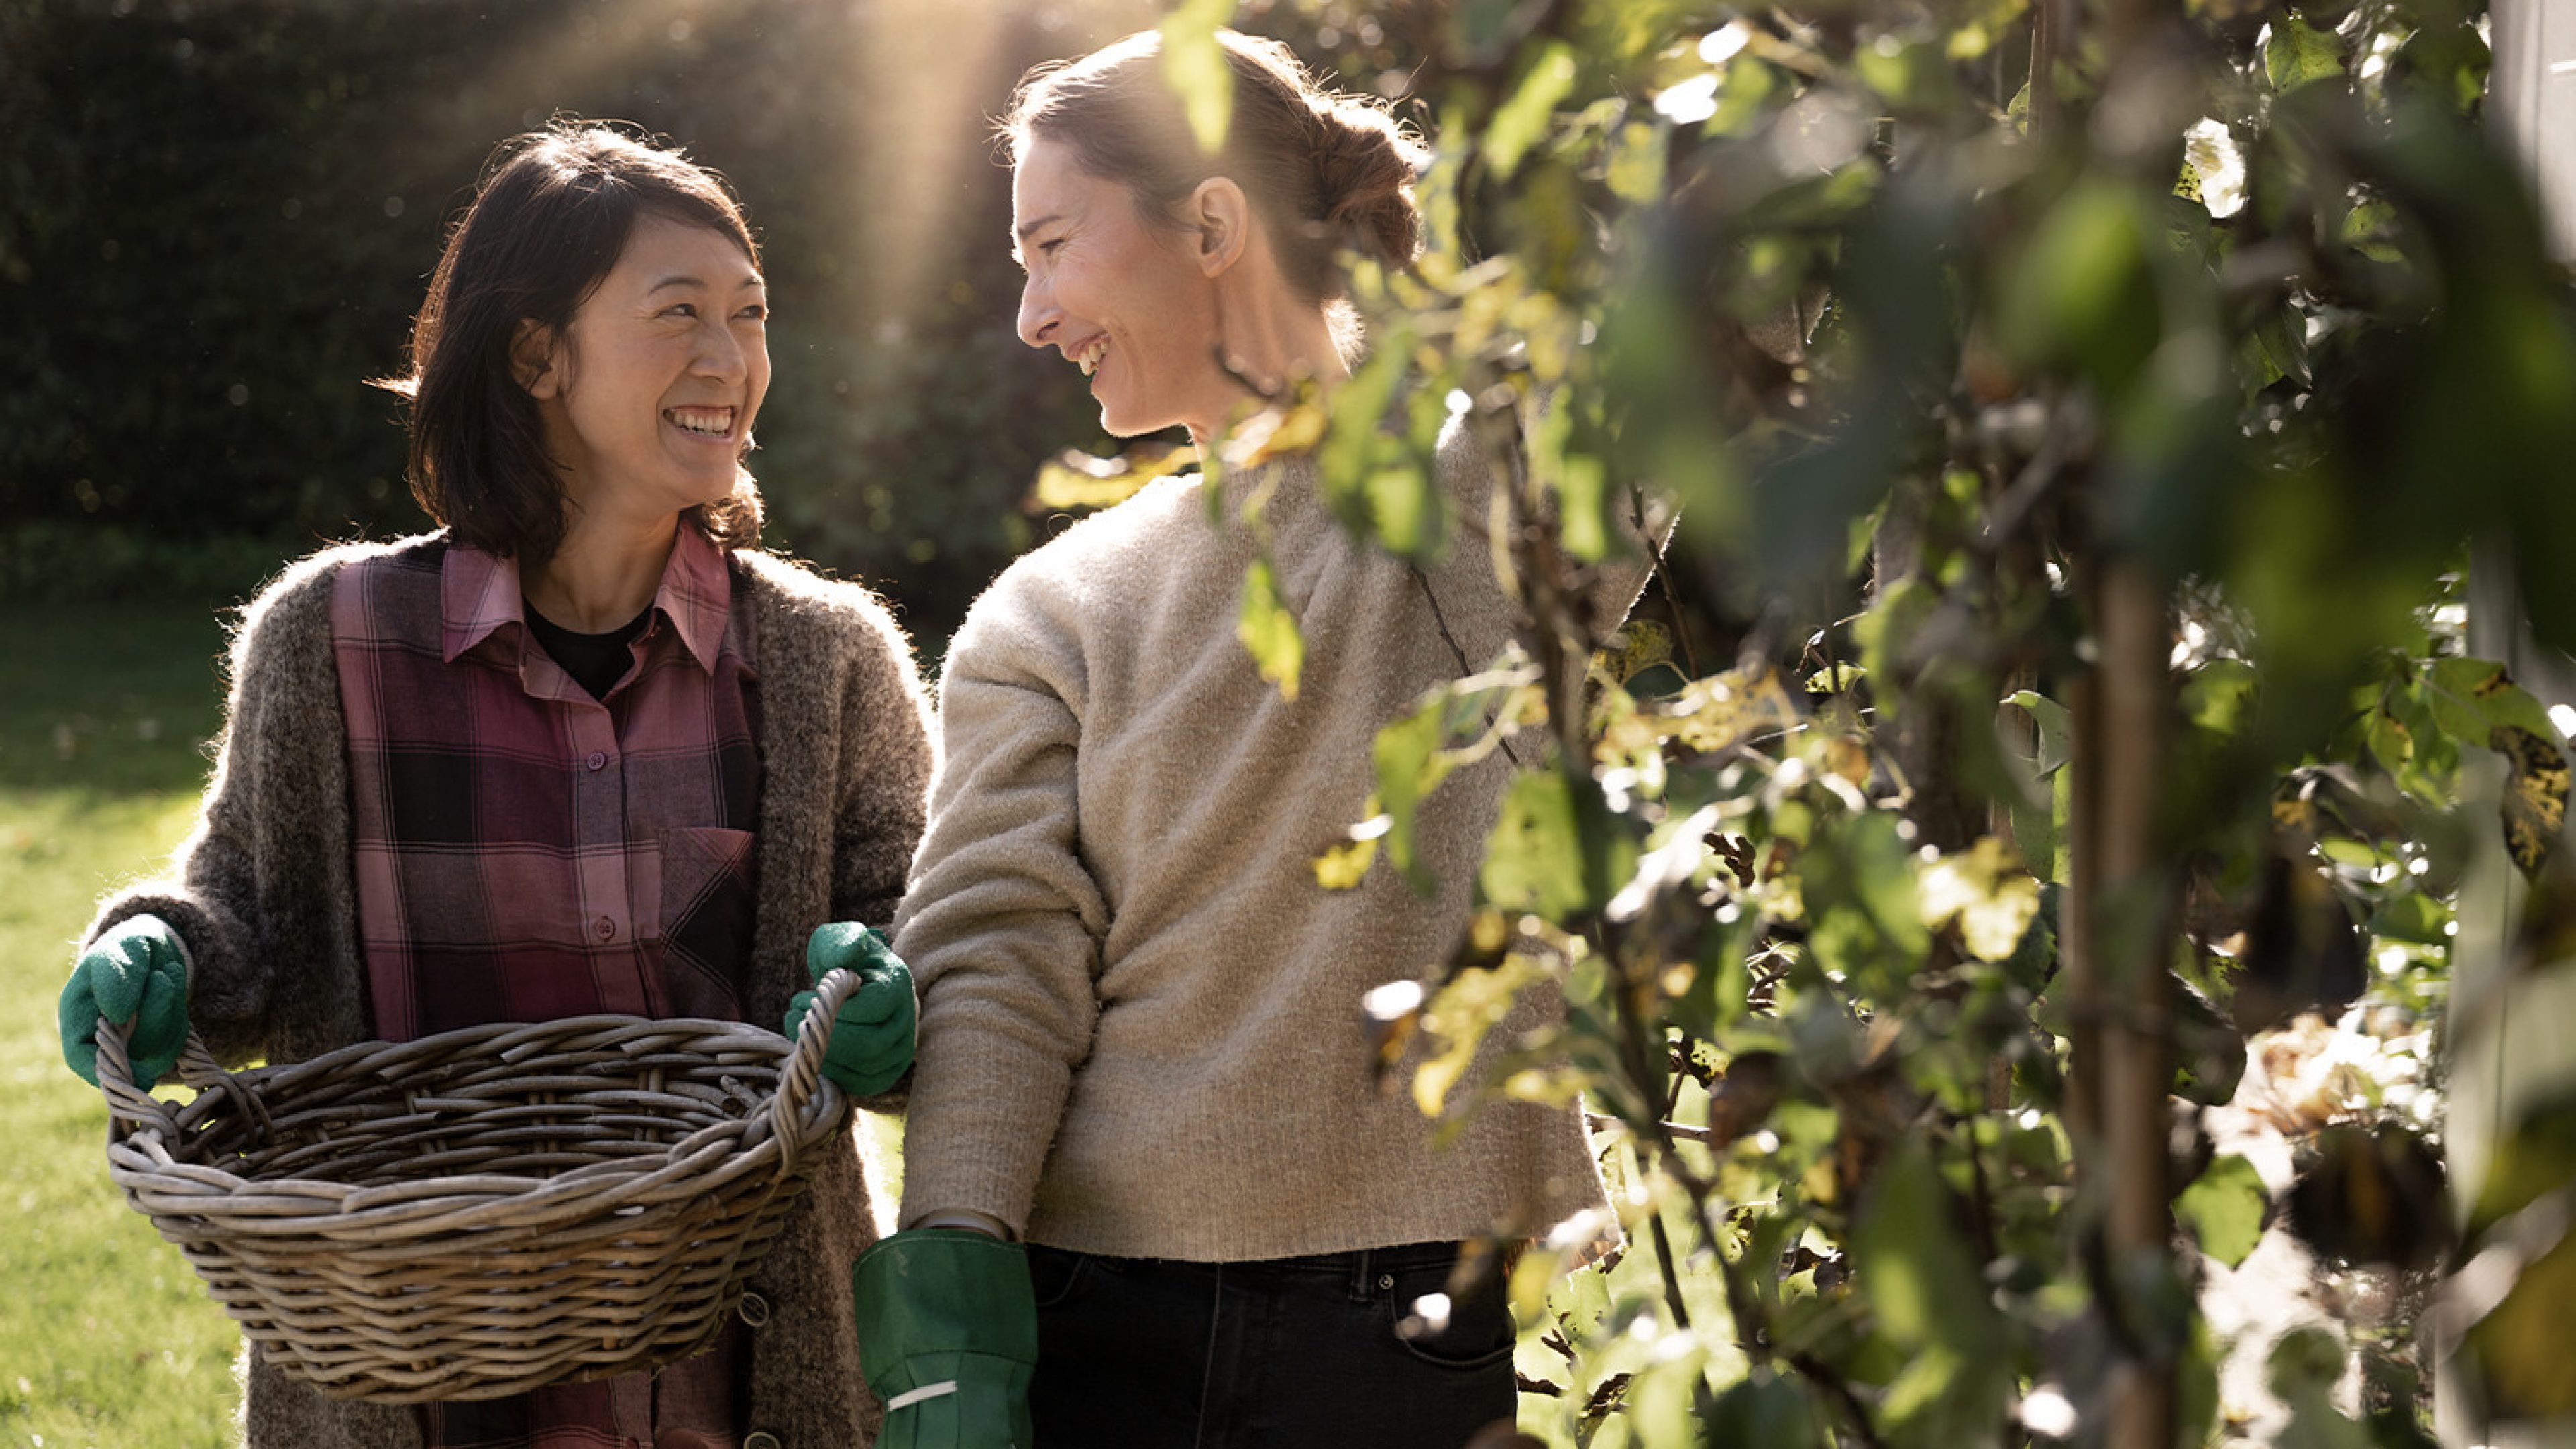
x=984 y=1110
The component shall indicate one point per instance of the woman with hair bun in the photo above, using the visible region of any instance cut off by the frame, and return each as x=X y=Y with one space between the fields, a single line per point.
x=1154 y=1194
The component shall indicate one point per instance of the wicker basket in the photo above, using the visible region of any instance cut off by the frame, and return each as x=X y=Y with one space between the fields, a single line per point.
x=488 y=1210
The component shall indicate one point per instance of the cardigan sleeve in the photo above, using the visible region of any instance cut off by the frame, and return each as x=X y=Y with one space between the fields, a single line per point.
x=1004 y=921
x=248 y=889
x=884 y=778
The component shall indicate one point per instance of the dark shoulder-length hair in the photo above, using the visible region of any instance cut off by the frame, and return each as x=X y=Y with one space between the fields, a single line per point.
x=548 y=222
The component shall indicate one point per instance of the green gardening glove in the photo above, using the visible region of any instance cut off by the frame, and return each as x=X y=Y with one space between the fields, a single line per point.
x=137 y=973
x=948 y=1337
x=872 y=1032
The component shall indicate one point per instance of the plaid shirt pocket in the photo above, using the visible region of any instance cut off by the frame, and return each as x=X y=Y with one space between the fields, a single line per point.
x=707 y=903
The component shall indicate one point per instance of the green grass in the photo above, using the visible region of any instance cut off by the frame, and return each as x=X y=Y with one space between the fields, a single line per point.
x=107 y=1339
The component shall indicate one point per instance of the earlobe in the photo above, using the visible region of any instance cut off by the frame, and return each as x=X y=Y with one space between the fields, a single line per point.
x=532 y=360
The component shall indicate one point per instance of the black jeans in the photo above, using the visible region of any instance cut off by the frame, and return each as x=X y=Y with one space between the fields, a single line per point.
x=1297 y=1353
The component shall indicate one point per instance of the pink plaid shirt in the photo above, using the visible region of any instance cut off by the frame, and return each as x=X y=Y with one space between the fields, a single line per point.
x=525 y=852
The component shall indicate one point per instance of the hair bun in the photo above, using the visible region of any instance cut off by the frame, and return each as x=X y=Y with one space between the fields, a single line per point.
x=1364 y=171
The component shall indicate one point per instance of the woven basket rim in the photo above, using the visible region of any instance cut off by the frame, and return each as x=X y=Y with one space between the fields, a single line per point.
x=498 y=1040
x=388 y=1290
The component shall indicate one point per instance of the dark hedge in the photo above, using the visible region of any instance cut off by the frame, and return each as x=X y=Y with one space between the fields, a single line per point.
x=216 y=219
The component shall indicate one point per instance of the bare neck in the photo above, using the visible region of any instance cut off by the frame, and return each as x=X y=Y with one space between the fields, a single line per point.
x=1271 y=338
x=606 y=572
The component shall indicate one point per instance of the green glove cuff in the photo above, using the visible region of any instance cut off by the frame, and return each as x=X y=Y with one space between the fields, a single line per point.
x=940 y=1291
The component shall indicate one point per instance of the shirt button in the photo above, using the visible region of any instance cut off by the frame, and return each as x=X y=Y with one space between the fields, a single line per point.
x=754 y=1310
x=761 y=1439
x=605 y=929
x=598 y=760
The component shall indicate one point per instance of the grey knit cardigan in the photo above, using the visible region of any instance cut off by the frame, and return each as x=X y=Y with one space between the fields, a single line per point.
x=262 y=893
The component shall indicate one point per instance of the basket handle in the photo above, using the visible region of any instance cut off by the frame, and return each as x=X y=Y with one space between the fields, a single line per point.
x=132 y=1101
x=802 y=1076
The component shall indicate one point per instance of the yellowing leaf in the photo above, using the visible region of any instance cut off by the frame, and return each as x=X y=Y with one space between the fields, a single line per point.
x=1640 y=644
x=1726 y=709
x=1984 y=892
x=1269 y=631
x=2535 y=800
x=1275 y=433
x=1076 y=479
x=1345 y=864
x=1458 y=1017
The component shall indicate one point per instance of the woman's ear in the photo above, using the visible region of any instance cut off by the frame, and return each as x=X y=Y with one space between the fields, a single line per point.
x=1222 y=216
x=533 y=359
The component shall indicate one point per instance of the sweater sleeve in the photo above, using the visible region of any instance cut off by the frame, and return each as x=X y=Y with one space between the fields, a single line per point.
x=1004 y=921
x=277 y=775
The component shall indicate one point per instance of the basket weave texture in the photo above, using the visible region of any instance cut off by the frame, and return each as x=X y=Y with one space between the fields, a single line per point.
x=488 y=1210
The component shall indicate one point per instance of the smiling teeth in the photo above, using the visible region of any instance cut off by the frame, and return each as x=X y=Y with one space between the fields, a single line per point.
x=714 y=422
x=1088 y=359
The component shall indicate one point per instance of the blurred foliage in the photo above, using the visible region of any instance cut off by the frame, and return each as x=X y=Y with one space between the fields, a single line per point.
x=1939 y=319
x=217 y=216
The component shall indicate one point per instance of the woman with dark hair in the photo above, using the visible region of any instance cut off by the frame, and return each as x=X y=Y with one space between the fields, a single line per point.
x=585 y=749
x=1146 y=1082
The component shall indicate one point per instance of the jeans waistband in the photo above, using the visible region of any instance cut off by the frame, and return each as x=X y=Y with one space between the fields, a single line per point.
x=1361 y=1261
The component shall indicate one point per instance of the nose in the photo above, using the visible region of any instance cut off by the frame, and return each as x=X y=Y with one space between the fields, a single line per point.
x=720 y=354
x=1038 y=313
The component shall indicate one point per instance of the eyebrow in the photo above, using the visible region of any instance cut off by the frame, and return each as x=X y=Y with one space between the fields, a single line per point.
x=1032 y=228
x=753 y=279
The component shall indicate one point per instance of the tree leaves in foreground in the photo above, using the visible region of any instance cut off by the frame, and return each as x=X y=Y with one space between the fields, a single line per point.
x=2078 y=417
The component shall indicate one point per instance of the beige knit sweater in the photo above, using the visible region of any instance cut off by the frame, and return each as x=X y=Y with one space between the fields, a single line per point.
x=1141 y=1033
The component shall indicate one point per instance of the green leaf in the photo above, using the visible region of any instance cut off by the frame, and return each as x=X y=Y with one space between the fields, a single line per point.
x=2224 y=1209
x=1534 y=858
x=2083 y=290
x=1269 y=631
x=2470 y=697
x=1882 y=865
x=1194 y=65
x=1354 y=441
x=2412 y=917
x=2299 y=53
x=2218 y=695
x=1410 y=765
x=2056 y=727
x=1580 y=482
x=2390 y=742
x=1766 y=1409
x=1522 y=120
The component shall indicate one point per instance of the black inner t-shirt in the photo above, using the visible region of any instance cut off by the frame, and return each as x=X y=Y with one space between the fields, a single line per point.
x=595 y=661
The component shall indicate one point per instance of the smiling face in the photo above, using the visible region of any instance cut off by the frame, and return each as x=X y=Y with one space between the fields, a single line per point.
x=1127 y=301
x=649 y=396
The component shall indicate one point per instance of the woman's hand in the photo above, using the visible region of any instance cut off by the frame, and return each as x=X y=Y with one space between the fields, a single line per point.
x=137 y=975
x=872 y=1033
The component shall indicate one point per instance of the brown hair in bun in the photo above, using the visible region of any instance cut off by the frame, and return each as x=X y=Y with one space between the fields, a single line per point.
x=1325 y=170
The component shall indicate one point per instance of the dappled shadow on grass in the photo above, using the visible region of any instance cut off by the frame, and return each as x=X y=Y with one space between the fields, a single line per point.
x=113 y=698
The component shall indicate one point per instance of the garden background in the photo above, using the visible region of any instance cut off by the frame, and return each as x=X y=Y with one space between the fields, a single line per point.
x=2009 y=883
